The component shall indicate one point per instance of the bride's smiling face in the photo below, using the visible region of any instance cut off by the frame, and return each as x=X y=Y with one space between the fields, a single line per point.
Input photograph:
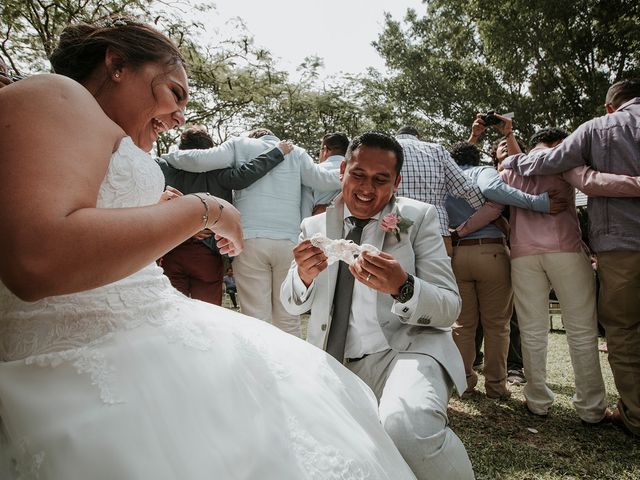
x=150 y=99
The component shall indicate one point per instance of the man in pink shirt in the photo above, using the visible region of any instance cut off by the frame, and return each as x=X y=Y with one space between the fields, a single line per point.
x=547 y=252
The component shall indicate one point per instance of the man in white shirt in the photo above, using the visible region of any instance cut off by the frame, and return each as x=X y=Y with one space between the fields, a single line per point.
x=391 y=327
x=332 y=149
x=270 y=211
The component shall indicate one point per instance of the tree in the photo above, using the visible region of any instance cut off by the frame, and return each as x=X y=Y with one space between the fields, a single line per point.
x=234 y=85
x=30 y=28
x=549 y=61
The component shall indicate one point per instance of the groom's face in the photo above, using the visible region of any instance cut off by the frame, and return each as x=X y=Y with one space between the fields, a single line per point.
x=369 y=179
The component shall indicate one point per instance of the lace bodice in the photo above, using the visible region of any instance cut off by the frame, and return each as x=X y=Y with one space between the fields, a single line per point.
x=72 y=321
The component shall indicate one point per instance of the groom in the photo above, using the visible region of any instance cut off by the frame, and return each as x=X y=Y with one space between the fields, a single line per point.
x=388 y=316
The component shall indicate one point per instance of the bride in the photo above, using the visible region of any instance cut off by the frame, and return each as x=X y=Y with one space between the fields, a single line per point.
x=106 y=371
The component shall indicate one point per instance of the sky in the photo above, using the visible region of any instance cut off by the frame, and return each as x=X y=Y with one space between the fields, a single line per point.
x=339 y=31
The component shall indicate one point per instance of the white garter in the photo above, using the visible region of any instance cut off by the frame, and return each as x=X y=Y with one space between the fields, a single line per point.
x=340 y=249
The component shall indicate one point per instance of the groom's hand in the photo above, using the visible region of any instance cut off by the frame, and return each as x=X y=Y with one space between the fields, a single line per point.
x=380 y=271
x=310 y=260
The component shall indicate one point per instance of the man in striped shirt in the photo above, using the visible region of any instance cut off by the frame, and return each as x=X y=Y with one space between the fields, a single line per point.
x=429 y=173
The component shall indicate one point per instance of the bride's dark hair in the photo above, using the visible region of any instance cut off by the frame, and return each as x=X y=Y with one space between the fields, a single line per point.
x=82 y=46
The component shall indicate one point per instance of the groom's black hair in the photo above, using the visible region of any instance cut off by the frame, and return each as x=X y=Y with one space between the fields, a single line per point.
x=377 y=140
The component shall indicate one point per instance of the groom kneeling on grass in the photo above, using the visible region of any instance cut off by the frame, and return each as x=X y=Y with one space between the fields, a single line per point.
x=391 y=327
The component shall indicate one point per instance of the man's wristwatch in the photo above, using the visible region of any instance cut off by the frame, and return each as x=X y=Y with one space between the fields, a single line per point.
x=406 y=290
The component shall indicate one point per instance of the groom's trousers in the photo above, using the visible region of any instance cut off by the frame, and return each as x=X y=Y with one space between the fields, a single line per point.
x=413 y=391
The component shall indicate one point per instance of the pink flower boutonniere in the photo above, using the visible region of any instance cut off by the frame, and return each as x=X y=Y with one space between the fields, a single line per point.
x=396 y=224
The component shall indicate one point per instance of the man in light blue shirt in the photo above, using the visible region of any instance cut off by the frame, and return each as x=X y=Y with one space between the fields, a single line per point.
x=332 y=150
x=271 y=217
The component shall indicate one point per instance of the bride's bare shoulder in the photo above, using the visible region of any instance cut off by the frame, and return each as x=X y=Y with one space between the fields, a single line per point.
x=49 y=98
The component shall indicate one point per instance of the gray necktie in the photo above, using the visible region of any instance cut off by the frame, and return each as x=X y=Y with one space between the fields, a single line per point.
x=342 y=298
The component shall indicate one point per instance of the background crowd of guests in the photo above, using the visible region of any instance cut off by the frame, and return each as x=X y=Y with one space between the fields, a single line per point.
x=511 y=237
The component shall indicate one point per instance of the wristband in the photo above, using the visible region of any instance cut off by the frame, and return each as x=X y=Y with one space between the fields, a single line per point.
x=205 y=215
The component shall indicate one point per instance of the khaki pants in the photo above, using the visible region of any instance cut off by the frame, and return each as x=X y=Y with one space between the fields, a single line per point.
x=260 y=270
x=619 y=313
x=413 y=392
x=571 y=276
x=484 y=280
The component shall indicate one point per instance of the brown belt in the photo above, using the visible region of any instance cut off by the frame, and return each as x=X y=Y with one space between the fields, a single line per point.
x=477 y=241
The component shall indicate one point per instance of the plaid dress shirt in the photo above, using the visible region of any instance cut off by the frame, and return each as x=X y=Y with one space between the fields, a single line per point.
x=429 y=173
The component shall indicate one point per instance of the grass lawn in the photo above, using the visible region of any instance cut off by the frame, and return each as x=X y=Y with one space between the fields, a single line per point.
x=505 y=442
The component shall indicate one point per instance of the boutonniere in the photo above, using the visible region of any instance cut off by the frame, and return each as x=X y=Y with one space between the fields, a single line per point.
x=396 y=224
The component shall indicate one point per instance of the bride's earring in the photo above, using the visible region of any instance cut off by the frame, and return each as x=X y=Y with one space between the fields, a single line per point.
x=117 y=75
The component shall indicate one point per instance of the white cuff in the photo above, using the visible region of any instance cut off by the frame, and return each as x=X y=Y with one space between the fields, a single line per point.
x=300 y=291
x=406 y=310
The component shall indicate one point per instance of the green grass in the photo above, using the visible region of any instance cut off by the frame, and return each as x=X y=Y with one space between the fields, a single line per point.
x=505 y=442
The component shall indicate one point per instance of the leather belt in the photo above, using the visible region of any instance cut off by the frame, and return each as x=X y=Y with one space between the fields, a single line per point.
x=477 y=241
x=350 y=360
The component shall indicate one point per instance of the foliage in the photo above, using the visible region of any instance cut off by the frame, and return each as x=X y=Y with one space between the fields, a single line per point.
x=29 y=29
x=234 y=85
x=549 y=61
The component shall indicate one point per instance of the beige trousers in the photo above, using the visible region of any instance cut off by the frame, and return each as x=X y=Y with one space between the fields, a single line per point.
x=572 y=278
x=619 y=313
x=413 y=391
x=484 y=280
x=260 y=270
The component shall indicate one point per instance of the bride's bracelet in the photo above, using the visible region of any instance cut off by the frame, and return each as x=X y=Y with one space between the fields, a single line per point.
x=221 y=206
x=205 y=216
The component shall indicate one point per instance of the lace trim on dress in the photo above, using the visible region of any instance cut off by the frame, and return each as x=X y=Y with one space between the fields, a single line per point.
x=323 y=462
x=27 y=465
x=341 y=249
x=68 y=328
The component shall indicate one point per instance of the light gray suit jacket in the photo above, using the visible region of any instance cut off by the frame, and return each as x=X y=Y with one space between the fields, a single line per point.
x=421 y=253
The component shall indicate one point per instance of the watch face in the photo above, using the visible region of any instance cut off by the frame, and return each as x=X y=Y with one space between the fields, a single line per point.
x=406 y=292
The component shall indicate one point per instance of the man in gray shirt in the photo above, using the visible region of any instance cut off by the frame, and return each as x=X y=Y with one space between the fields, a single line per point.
x=610 y=143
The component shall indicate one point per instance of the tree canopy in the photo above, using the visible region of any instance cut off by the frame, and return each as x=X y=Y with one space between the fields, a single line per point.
x=548 y=61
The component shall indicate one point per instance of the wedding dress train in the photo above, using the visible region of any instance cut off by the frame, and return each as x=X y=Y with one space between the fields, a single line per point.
x=135 y=381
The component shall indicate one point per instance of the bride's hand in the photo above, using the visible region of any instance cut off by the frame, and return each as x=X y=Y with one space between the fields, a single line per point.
x=169 y=193
x=227 y=227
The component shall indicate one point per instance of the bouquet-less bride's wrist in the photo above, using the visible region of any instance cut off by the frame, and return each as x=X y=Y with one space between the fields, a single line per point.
x=209 y=211
x=205 y=215
x=213 y=211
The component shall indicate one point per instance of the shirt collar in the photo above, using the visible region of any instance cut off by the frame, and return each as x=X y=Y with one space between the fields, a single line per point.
x=626 y=104
x=347 y=214
x=406 y=136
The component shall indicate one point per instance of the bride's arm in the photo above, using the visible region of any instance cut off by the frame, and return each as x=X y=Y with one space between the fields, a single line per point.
x=55 y=146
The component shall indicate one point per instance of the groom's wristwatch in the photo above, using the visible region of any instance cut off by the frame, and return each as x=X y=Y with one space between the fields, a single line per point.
x=406 y=290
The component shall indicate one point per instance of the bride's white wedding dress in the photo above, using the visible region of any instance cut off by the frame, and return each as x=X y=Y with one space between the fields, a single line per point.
x=135 y=381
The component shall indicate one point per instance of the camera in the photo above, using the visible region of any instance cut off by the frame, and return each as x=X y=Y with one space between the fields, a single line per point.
x=490 y=118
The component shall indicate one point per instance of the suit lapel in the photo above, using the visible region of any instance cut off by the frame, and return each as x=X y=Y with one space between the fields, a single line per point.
x=335 y=219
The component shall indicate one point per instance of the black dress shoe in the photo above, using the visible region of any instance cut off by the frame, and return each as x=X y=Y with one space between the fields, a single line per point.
x=607 y=419
x=516 y=377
